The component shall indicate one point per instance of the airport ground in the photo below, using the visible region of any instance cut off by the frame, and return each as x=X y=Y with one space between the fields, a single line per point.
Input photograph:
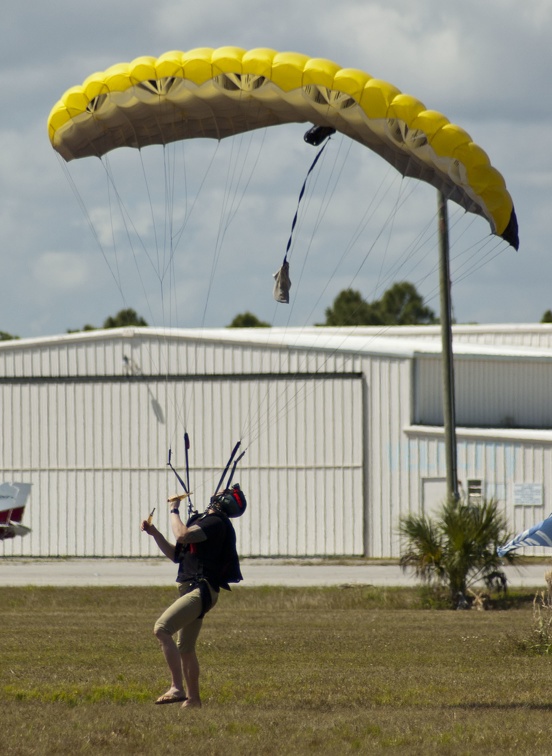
x=256 y=572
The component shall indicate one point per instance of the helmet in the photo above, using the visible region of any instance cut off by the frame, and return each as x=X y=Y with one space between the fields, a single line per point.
x=231 y=501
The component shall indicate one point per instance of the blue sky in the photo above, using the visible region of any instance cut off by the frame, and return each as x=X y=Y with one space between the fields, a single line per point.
x=484 y=65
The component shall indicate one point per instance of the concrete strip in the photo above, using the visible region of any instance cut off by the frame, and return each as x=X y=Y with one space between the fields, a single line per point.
x=256 y=572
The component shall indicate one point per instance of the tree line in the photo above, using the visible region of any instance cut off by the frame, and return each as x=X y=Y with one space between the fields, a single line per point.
x=401 y=304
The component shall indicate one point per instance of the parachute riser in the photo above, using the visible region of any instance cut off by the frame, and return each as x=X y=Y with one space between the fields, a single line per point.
x=227 y=468
x=186 y=486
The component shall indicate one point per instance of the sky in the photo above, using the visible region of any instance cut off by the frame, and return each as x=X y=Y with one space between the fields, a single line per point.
x=486 y=66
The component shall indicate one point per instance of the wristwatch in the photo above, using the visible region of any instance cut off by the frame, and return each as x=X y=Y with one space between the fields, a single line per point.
x=175 y=511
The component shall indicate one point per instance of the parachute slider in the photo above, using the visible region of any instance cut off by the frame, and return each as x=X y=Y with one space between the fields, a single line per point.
x=178 y=497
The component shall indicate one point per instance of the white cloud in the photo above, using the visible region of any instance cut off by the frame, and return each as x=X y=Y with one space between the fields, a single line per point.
x=485 y=65
x=60 y=271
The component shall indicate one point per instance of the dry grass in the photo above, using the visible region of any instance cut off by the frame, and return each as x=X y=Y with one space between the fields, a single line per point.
x=284 y=671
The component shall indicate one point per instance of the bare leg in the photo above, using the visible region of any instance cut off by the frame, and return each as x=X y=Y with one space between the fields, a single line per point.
x=172 y=657
x=190 y=669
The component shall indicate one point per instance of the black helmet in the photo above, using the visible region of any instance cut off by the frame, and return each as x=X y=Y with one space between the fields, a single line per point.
x=231 y=501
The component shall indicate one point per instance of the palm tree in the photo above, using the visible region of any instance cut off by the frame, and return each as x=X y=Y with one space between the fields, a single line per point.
x=458 y=548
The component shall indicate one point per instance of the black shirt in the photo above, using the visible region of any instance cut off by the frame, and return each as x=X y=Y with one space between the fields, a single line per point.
x=203 y=558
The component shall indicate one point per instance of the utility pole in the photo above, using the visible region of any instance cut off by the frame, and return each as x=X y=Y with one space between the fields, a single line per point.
x=449 y=416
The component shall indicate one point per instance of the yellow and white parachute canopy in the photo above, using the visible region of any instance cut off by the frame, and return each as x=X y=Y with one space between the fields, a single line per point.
x=221 y=92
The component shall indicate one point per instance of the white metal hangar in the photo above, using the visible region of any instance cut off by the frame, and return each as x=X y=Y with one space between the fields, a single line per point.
x=342 y=431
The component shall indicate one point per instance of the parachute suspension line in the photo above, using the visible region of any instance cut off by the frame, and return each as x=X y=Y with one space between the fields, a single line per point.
x=391 y=215
x=247 y=180
x=372 y=208
x=235 y=188
x=253 y=419
x=421 y=241
x=496 y=243
x=180 y=231
x=385 y=227
x=427 y=239
x=496 y=249
x=160 y=256
x=230 y=205
x=473 y=253
x=163 y=248
x=113 y=241
x=249 y=420
x=322 y=137
x=169 y=313
x=159 y=273
x=282 y=410
x=112 y=194
x=236 y=185
x=389 y=225
x=367 y=216
x=157 y=267
x=128 y=225
x=80 y=201
x=235 y=198
x=169 y=309
x=219 y=239
x=369 y=212
x=170 y=164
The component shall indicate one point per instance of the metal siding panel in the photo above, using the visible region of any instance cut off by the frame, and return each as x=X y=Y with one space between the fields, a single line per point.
x=386 y=474
x=499 y=463
x=87 y=505
x=488 y=393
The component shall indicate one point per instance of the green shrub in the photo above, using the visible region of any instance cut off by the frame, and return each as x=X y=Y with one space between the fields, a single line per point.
x=457 y=549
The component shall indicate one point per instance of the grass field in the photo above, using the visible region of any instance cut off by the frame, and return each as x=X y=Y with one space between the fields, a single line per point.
x=284 y=671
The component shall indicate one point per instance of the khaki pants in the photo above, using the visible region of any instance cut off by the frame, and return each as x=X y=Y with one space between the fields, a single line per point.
x=183 y=617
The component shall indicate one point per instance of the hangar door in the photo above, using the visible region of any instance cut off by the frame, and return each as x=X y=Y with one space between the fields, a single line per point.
x=95 y=451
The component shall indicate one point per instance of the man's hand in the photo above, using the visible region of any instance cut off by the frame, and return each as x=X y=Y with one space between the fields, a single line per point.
x=147 y=527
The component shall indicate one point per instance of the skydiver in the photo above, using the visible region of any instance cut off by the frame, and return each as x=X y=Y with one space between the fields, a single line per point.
x=205 y=551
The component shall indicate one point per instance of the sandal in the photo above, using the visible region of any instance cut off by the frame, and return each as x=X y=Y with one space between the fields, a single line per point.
x=169 y=698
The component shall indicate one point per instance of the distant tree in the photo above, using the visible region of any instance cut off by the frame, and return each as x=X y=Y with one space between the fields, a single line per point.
x=7 y=336
x=400 y=305
x=350 y=309
x=123 y=319
x=86 y=327
x=248 y=320
x=547 y=317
